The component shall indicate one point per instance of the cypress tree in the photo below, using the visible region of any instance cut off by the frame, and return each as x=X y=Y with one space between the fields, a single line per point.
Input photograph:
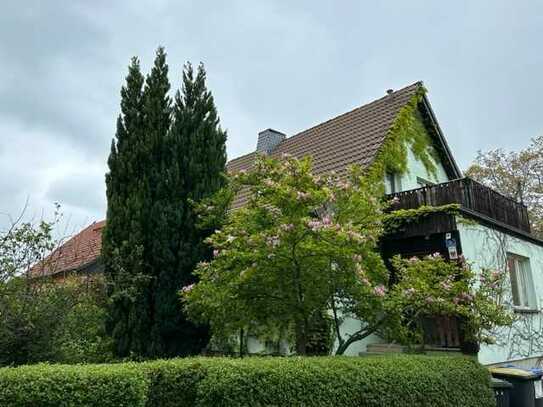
x=136 y=163
x=198 y=159
x=162 y=159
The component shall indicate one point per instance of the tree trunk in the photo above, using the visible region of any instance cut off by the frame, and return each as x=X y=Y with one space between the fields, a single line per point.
x=357 y=336
x=241 y=342
x=301 y=337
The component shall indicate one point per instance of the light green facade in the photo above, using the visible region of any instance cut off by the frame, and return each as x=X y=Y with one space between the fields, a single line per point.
x=484 y=247
x=416 y=171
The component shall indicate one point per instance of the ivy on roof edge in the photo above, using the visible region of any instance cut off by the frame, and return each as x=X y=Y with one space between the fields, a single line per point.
x=407 y=131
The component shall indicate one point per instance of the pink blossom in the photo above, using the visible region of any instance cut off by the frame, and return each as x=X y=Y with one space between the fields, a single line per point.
x=216 y=252
x=286 y=227
x=187 y=288
x=409 y=291
x=302 y=195
x=380 y=290
x=314 y=225
x=273 y=241
x=355 y=236
x=495 y=275
x=446 y=285
x=326 y=220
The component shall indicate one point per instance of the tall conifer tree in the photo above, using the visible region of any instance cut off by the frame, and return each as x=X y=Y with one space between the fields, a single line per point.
x=161 y=160
x=136 y=164
x=198 y=165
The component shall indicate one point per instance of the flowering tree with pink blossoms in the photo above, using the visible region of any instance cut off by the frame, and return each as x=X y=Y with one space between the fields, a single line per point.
x=433 y=287
x=306 y=245
x=302 y=246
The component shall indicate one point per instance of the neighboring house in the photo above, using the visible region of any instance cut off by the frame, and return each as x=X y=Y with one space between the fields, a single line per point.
x=490 y=230
x=80 y=256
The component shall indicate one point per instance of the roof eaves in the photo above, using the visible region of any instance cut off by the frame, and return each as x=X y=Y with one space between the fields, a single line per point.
x=457 y=173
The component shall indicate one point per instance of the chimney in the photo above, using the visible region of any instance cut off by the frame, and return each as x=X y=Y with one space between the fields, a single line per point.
x=389 y=91
x=268 y=140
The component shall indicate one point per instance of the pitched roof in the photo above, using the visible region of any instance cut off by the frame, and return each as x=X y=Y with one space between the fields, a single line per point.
x=79 y=251
x=353 y=137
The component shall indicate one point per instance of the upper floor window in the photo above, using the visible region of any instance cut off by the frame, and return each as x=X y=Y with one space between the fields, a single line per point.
x=522 y=284
x=422 y=182
x=393 y=183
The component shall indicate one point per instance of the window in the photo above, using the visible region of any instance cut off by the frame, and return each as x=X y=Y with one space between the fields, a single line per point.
x=393 y=183
x=424 y=182
x=522 y=285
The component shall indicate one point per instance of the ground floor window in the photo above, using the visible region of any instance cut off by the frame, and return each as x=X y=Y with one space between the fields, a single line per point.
x=522 y=285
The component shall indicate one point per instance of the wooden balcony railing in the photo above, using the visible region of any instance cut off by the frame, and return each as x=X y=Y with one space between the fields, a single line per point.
x=472 y=196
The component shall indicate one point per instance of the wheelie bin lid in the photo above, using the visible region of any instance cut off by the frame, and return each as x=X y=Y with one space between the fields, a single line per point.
x=515 y=373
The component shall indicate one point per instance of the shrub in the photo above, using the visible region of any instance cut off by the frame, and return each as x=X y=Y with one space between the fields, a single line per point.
x=77 y=385
x=375 y=381
x=174 y=382
x=51 y=322
x=401 y=380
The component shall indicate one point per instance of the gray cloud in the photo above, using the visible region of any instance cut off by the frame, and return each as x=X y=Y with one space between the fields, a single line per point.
x=281 y=64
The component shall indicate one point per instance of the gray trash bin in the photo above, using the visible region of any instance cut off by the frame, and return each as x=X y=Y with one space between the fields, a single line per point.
x=527 y=390
x=502 y=390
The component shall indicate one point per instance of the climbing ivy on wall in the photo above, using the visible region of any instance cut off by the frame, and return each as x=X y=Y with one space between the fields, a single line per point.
x=396 y=220
x=407 y=131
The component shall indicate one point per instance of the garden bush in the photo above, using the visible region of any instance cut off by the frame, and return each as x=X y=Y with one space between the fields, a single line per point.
x=402 y=380
x=73 y=385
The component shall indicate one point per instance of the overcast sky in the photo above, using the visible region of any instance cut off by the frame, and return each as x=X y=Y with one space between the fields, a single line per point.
x=281 y=64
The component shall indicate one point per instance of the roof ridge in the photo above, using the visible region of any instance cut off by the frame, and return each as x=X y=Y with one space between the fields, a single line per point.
x=300 y=133
x=417 y=83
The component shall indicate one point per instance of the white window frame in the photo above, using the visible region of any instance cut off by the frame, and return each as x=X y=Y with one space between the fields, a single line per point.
x=522 y=283
x=393 y=183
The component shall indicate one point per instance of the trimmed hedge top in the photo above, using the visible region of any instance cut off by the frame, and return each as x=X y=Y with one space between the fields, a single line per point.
x=371 y=381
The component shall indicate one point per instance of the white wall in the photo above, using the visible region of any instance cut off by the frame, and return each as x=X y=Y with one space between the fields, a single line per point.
x=486 y=248
x=350 y=326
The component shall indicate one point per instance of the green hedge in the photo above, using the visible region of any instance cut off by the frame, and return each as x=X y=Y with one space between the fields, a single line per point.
x=373 y=381
x=74 y=385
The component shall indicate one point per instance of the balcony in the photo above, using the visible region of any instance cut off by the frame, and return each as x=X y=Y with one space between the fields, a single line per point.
x=473 y=197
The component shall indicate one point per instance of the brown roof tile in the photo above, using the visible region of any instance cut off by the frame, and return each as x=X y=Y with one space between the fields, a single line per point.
x=353 y=137
x=79 y=251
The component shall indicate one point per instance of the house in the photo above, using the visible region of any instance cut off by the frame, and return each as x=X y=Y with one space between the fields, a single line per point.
x=488 y=229
x=80 y=256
